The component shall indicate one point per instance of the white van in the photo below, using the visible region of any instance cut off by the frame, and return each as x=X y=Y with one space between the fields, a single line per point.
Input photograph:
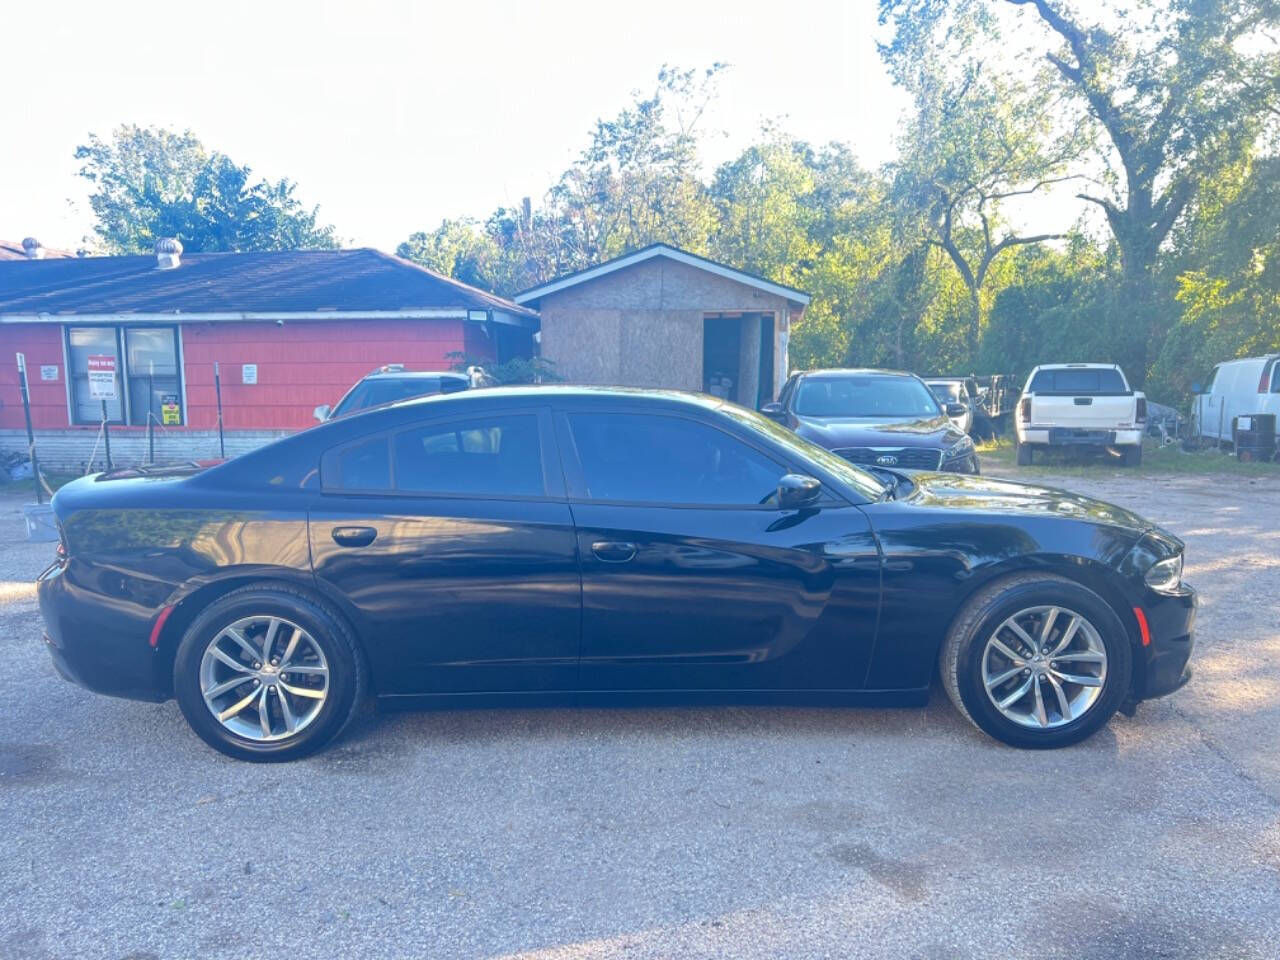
x=1237 y=388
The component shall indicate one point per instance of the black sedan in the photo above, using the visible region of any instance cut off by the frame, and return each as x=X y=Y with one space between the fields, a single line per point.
x=586 y=544
x=876 y=417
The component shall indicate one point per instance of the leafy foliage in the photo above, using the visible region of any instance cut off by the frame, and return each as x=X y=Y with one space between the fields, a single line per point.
x=150 y=183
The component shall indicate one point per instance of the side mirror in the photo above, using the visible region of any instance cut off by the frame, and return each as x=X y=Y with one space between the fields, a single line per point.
x=773 y=410
x=796 y=491
x=321 y=412
x=956 y=409
x=1196 y=387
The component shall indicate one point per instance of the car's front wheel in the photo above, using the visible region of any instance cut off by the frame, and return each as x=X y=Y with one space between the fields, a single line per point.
x=1037 y=661
x=268 y=673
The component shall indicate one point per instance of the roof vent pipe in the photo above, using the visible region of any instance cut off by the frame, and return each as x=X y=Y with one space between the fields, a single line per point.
x=168 y=253
x=32 y=248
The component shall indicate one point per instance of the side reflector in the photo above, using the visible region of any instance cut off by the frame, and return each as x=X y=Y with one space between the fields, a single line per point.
x=164 y=615
x=1142 y=626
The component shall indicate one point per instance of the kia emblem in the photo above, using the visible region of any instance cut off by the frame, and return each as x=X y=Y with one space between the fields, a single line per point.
x=887 y=461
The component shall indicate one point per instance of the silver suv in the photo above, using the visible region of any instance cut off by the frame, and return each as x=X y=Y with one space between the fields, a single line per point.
x=393 y=382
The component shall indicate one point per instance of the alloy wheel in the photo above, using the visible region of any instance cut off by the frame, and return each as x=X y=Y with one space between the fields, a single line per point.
x=1044 y=667
x=264 y=678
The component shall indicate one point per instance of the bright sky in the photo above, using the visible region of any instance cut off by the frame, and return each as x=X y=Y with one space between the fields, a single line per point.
x=392 y=115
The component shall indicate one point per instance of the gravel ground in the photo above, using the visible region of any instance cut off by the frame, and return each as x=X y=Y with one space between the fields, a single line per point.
x=743 y=832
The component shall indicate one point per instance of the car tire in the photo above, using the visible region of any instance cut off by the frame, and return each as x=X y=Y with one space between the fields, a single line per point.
x=1024 y=454
x=279 y=711
x=1133 y=456
x=967 y=657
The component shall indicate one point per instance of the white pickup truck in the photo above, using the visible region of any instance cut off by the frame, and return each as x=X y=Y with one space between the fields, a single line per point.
x=1081 y=404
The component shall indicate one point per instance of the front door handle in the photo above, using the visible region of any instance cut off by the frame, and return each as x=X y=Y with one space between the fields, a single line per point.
x=614 y=551
x=354 y=536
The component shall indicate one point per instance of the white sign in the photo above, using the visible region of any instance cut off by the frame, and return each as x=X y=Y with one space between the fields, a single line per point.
x=48 y=371
x=102 y=377
x=249 y=373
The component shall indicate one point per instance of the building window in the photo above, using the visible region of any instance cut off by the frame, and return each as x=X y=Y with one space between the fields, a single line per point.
x=147 y=372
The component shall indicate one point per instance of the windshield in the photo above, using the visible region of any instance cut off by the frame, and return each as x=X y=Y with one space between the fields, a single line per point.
x=872 y=396
x=865 y=482
x=375 y=392
x=948 y=392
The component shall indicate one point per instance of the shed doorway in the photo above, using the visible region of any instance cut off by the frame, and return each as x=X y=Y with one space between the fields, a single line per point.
x=722 y=355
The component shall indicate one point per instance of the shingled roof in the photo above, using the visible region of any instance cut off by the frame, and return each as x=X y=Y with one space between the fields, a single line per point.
x=233 y=285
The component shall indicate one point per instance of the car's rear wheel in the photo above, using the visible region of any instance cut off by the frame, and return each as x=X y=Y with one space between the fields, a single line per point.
x=1133 y=455
x=1037 y=661
x=1024 y=454
x=268 y=673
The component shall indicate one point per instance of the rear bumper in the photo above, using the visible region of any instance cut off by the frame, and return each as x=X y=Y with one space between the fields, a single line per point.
x=1069 y=436
x=1166 y=660
x=96 y=647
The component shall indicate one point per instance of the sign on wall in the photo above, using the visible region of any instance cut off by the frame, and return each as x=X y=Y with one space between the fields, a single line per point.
x=170 y=413
x=48 y=371
x=249 y=373
x=102 y=376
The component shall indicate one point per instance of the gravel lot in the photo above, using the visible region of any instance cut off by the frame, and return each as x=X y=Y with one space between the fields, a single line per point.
x=743 y=832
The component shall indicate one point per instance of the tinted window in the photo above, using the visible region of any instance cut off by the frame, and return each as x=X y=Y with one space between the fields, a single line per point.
x=375 y=392
x=1102 y=382
x=864 y=396
x=363 y=466
x=491 y=456
x=657 y=459
x=948 y=392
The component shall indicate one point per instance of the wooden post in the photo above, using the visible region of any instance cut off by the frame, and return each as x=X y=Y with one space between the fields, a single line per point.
x=106 y=434
x=31 y=436
x=217 y=390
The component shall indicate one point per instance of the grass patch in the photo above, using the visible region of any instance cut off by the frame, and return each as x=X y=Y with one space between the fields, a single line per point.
x=1085 y=462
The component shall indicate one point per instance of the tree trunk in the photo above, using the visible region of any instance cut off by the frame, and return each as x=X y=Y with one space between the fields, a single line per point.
x=975 y=326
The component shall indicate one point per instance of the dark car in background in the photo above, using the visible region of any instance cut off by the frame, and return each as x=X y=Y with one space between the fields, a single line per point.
x=392 y=382
x=596 y=545
x=873 y=418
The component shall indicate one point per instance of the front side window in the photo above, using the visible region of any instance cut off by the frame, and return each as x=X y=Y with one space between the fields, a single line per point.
x=492 y=456
x=870 y=396
x=147 y=374
x=660 y=459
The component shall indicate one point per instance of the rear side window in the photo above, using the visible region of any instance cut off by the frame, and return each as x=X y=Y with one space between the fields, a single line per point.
x=362 y=466
x=485 y=456
x=1275 y=376
x=1102 y=382
x=658 y=459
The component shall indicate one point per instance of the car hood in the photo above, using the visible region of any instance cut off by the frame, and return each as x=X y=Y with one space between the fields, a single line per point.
x=836 y=432
x=987 y=495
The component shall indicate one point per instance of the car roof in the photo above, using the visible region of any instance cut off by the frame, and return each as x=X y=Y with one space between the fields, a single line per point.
x=1078 y=366
x=859 y=371
x=413 y=374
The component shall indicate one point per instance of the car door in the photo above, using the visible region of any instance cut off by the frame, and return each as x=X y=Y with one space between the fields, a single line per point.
x=453 y=543
x=692 y=580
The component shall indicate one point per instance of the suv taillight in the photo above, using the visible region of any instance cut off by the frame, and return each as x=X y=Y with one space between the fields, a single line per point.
x=1262 y=380
x=1142 y=410
x=1024 y=410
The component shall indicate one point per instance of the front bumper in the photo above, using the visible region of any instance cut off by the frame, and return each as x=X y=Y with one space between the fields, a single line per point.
x=966 y=464
x=1165 y=662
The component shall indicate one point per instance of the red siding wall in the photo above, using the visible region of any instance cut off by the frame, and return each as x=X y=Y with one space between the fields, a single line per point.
x=42 y=344
x=300 y=365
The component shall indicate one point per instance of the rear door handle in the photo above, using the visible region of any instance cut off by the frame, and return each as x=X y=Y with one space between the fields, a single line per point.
x=614 y=551
x=354 y=536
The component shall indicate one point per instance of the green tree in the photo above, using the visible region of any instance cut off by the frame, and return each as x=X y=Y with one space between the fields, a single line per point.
x=151 y=182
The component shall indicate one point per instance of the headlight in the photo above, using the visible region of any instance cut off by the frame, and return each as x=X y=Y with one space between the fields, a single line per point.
x=961 y=448
x=1165 y=576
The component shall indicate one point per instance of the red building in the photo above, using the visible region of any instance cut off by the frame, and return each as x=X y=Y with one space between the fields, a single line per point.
x=287 y=331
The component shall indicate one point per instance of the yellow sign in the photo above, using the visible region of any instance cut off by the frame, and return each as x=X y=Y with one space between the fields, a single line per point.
x=169 y=414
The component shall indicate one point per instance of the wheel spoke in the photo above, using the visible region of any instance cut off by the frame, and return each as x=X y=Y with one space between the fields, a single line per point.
x=993 y=682
x=290 y=723
x=290 y=647
x=1083 y=656
x=264 y=715
x=1068 y=634
x=242 y=642
x=1022 y=634
x=1046 y=628
x=1017 y=694
x=269 y=638
x=304 y=692
x=235 y=708
x=1007 y=652
x=223 y=657
x=305 y=668
x=1064 y=705
x=1083 y=680
x=1041 y=717
x=219 y=689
